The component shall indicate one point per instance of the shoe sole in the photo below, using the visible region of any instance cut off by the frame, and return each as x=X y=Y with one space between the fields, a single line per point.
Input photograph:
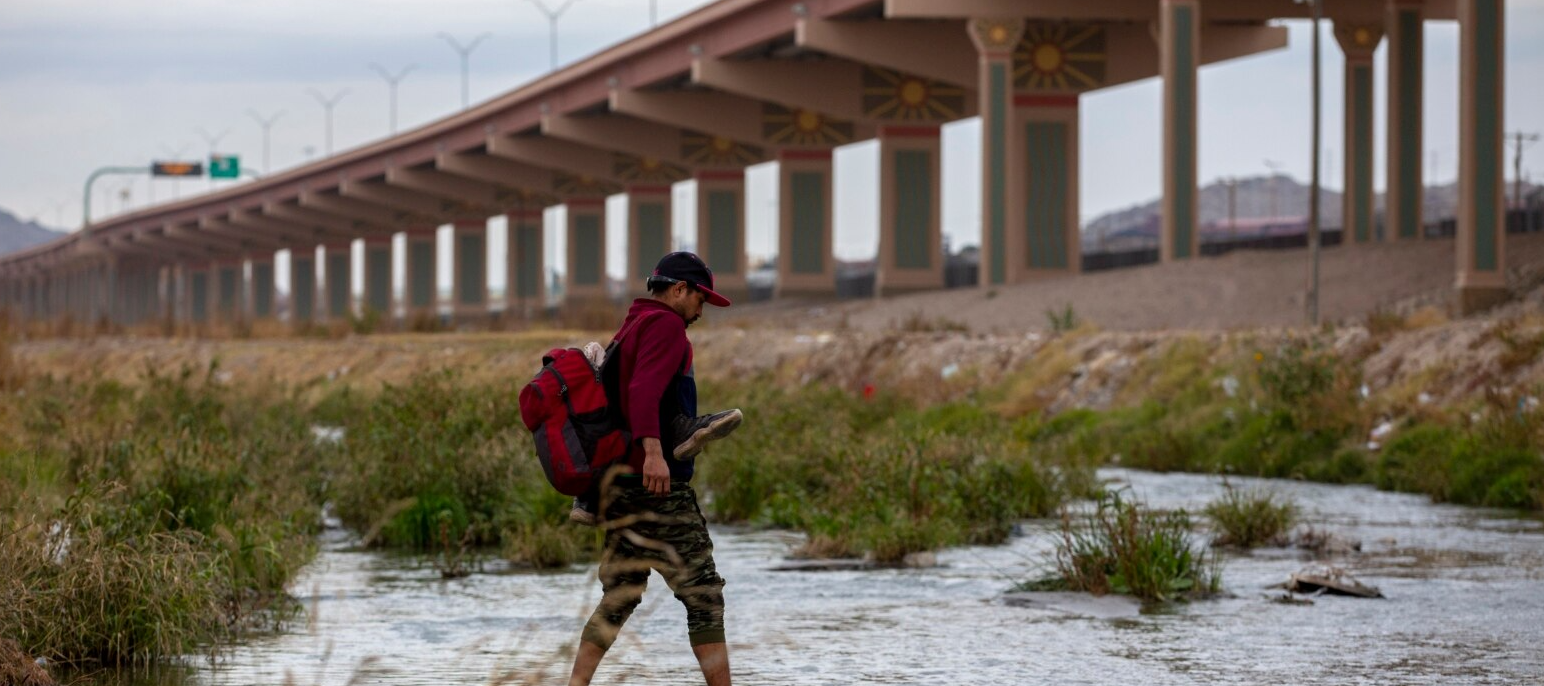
x=715 y=430
x=581 y=517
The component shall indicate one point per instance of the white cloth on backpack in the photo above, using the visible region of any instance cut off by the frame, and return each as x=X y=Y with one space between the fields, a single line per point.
x=595 y=353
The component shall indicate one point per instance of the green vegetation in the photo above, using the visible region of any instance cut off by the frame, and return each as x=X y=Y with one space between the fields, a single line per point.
x=876 y=477
x=1125 y=548
x=1247 y=519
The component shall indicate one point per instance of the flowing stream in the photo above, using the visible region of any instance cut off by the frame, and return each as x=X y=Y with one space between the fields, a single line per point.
x=1464 y=587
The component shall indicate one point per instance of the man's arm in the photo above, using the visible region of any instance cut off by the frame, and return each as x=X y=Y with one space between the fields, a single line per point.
x=661 y=347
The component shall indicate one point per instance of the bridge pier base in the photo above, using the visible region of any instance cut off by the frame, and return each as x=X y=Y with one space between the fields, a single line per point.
x=1481 y=238
x=469 y=280
x=1402 y=205
x=421 y=277
x=377 y=277
x=721 y=230
x=910 y=210
x=648 y=230
x=586 y=229
x=804 y=255
x=525 y=284
x=303 y=286
x=337 y=281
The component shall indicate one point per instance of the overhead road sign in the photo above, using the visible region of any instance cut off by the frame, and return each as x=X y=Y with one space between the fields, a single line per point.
x=176 y=169
x=224 y=167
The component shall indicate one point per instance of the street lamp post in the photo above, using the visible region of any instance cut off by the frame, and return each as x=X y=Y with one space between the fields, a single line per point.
x=266 y=124
x=213 y=142
x=327 y=104
x=465 y=51
x=552 y=22
x=391 y=83
x=1313 y=184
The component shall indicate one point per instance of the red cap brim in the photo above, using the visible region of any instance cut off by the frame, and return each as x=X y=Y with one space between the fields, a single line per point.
x=714 y=298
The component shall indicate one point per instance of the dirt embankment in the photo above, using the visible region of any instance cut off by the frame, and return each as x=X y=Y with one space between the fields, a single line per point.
x=1447 y=361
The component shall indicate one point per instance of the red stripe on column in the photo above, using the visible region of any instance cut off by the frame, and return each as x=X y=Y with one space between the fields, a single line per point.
x=648 y=190
x=721 y=175
x=1045 y=101
x=584 y=202
x=804 y=154
x=908 y=132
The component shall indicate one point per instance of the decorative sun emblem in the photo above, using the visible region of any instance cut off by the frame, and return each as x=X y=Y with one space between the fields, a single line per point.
x=802 y=127
x=630 y=168
x=1060 y=57
x=702 y=149
x=892 y=95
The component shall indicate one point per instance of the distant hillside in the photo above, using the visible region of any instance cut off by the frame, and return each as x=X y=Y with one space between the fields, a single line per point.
x=16 y=235
x=1257 y=211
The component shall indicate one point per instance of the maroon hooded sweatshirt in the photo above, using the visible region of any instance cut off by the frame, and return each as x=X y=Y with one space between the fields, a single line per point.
x=653 y=360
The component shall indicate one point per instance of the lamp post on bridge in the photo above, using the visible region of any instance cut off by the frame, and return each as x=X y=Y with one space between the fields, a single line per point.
x=212 y=141
x=465 y=51
x=327 y=105
x=391 y=83
x=267 y=124
x=1314 y=238
x=552 y=22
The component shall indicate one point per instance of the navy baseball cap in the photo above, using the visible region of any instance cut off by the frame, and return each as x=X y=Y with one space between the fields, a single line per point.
x=688 y=267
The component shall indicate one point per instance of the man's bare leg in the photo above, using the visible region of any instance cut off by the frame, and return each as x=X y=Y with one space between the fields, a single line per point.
x=585 y=663
x=714 y=660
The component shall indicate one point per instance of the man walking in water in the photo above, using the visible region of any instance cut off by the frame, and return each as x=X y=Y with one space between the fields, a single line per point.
x=649 y=510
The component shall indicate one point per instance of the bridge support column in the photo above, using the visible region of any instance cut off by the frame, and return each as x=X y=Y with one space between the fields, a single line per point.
x=995 y=41
x=1358 y=42
x=525 y=288
x=1481 y=243
x=648 y=230
x=469 y=283
x=228 y=278
x=721 y=230
x=1179 y=53
x=378 y=286
x=338 y=282
x=303 y=285
x=910 y=210
x=421 y=278
x=260 y=301
x=804 y=245
x=586 y=278
x=1402 y=205
x=198 y=293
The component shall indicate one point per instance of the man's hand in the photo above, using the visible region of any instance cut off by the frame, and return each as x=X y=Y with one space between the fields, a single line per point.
x=656 y=474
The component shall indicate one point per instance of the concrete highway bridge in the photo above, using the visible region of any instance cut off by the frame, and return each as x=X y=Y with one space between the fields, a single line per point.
x=742 y=82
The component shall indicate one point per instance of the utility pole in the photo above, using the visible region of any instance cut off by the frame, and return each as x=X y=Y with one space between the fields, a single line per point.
x=391 y=83
x=327 y=105
x=1313 y=184
x=1520 y=140
x=552 y=22
x=212 y=141
x=1275 y=168
x=266 y=124
x=1232 y=184
x=465 y=51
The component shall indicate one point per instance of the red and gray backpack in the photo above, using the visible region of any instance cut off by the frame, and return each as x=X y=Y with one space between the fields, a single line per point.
x=572 y=417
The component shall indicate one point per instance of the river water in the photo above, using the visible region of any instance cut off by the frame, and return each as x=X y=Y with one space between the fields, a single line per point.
x=1464 y=587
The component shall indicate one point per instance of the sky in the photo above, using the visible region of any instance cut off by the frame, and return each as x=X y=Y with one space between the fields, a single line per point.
x=86 y=84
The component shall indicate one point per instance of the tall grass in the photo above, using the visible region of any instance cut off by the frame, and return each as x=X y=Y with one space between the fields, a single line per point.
x=1125 y=548
x=877 y=476
x=1247 y=519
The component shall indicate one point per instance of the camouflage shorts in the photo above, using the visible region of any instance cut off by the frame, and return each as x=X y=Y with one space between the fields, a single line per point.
x=644 y=533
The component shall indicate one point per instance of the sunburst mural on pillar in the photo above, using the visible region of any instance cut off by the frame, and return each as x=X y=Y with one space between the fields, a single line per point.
x=577 y=185
x=784 y=126
x=708 y=150
x=634 y=168
x=902 y=97
x=1060 y=57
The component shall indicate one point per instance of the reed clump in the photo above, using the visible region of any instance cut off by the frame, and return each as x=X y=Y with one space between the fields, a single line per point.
x=875 y=476
x=1251 y=518
x=1125 y=548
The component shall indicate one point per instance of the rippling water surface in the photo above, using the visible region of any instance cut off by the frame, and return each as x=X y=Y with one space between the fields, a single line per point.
x=1465 y=604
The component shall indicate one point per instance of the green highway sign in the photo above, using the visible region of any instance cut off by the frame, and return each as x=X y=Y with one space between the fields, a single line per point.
x=176 y=169
x=224 y=166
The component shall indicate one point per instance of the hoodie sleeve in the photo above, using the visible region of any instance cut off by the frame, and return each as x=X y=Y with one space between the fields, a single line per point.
x=661 y=349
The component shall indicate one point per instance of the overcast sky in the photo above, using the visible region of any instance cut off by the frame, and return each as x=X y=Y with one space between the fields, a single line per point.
x=92 y=83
